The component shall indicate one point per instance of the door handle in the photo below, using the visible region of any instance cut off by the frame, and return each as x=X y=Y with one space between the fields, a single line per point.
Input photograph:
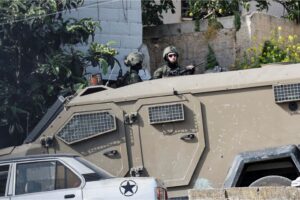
x=188 y=137
x=111 y=153
x=69 y=196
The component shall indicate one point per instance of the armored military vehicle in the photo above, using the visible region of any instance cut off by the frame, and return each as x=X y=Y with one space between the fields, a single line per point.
x=229 y=129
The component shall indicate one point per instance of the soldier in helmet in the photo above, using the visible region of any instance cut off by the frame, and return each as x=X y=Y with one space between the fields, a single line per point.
x=134 y=61
x=171 y=67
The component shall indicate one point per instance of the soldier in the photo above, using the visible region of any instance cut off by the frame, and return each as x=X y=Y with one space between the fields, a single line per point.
x=171 y=67
x=134 y=61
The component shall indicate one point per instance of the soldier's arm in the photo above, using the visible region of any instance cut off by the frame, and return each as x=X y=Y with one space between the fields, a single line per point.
x=158 y=73
x=121 y=80
x=134 y=78
x=190 y=69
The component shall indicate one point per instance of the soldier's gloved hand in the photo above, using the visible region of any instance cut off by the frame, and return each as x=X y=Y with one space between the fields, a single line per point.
x=190 y=68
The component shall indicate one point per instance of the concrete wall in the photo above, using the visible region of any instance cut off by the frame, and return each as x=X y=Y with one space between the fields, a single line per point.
x=250 y=193
x=120 y=20
x=228 y=44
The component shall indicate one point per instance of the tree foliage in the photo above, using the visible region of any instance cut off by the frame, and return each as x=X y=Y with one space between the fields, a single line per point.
x=200 y=9
x=38 y=60
x=211 y=59
x=211 y=9
x=152 y=11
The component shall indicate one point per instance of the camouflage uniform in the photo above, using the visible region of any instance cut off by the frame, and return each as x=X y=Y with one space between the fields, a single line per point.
x=134 y=62
x=170 y=69
x=131 y=77
x=165 y=71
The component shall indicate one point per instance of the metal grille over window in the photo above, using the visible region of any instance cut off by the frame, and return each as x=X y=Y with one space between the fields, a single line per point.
x=166 y=113
x=287 y=93
x=84 y=126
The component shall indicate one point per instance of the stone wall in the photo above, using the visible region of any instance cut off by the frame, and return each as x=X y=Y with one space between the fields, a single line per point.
x=228 y=44
x=257 y=27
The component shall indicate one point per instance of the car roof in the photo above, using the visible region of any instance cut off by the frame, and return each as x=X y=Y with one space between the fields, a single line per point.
x=34 y=157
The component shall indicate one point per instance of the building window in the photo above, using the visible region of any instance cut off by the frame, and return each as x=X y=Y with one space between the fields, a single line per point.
x=185 y=9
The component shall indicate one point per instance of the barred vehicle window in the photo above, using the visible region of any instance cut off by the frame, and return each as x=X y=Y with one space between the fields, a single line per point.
x=166 y=113
x=3 y=179
x=84 y=126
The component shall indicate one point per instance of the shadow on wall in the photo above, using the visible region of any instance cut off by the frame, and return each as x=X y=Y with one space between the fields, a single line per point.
x=6 y=138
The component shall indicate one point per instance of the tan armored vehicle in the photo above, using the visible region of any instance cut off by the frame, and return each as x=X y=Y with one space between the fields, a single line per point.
x=230 y=129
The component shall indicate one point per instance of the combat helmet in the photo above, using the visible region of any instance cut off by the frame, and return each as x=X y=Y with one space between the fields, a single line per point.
x=133 y=59
x=169 y=49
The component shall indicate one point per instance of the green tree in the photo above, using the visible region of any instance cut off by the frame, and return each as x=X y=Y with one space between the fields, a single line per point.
x=291 y=6
x=38 y=60
x=211 y=9
x=211 y=59
x=152 y=11
x=293 y=9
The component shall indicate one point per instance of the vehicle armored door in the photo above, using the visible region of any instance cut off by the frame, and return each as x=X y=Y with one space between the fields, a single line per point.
x=96 y=132
x=4 y=181
x=46 y=180
x=171 y=134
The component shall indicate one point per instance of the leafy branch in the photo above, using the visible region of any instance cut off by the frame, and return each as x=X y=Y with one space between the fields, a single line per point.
x=39 y=60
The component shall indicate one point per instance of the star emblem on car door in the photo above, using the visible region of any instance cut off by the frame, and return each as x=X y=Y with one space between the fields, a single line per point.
x=128 y=188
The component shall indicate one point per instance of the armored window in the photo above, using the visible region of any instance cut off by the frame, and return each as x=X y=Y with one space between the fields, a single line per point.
x=166 y=113
x=287 y=93
x=85 y=126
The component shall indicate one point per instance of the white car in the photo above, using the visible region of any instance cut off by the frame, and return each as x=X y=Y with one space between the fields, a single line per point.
x=57 y=177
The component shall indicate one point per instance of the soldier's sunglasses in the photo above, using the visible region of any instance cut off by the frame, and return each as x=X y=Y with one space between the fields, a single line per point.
x=172 y=55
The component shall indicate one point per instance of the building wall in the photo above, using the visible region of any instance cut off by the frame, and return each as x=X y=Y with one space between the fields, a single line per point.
x=275 y=9
x=169 y=17
x=121 y=22
x=228 y=44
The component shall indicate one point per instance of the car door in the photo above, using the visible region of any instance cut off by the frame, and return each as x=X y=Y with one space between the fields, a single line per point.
x=4 y=177
x=46 y=180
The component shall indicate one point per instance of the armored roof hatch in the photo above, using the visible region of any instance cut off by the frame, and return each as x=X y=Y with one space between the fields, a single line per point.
x=93 y=89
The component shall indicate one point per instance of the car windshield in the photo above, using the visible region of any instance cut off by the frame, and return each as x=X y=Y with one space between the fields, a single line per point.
x=100 y=172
